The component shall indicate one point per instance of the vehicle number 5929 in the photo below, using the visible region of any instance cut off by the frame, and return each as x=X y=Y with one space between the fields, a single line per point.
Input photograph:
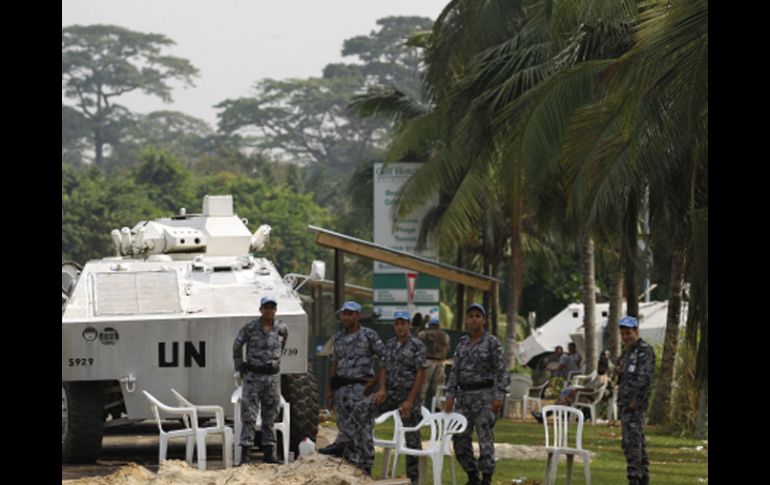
x=81 y=361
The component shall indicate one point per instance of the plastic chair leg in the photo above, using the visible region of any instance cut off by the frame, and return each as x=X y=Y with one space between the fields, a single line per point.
x=570 y=461
x=201 y=449
x=438 y=467
x=162 y=449
x=237 y=425
x=553 y=468
x=587 y=469
x=189 y=448
x=386 y=463
x=227 y=448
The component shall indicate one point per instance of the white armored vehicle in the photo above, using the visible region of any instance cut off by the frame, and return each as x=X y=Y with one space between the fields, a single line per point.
x=164 y=313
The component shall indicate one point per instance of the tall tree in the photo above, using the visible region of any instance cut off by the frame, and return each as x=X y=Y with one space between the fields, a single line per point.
x=103 y=62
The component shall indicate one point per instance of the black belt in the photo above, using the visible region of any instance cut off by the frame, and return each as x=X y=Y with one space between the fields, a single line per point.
x=261 y=369
x=339 y=381
x=475 y=386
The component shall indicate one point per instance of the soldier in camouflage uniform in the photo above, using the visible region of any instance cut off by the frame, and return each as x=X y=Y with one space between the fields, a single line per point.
x=478 y=381
x=633 y=394
x=352 y=376
x=264 y=339
x=404 y=372
x=437 y=344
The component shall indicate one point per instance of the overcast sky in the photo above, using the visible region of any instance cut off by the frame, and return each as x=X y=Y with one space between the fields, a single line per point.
x=237 y=42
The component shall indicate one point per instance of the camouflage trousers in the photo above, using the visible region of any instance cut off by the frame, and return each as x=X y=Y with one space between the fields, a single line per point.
x=633 y=443
x=361 y=453
x=434 y=377
x=345 y=399
x=260 y=394
x=476 y=406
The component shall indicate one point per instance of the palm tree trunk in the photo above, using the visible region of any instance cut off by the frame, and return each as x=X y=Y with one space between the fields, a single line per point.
x=661 y=405
x=460 y=298
x=514 y=283
x=589 y=299
x=629 y=254
x=616 y=310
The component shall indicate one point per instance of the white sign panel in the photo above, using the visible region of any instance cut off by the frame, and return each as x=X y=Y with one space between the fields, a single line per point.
x=402 y=236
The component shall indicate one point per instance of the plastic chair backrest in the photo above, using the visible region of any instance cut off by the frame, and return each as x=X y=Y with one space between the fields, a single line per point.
x=185 y=412
x=560 y=418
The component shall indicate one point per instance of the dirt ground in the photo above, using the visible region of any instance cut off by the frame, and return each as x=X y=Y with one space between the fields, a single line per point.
x=130 y=457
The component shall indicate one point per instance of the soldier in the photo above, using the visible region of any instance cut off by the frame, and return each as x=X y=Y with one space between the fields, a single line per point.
x=437 y=344
x=352 y=377
x=264 y=339
x=633 y=394
x=478 y=380
x=403 y=371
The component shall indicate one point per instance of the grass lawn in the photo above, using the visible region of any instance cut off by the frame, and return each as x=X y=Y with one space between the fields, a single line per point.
x=673 y=460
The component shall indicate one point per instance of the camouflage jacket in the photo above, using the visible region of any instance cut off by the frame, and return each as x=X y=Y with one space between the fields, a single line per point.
x=402 y=361
x=638 y=370
x=480 y=362
x=263 y=348
x=354 y=353
x=436 y=342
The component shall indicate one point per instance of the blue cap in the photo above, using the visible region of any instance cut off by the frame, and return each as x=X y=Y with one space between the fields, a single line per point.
x=401 y=314
x=350 y=305
x=433 y=321
x=476 y=306
x=629 y=322
x=267 y=299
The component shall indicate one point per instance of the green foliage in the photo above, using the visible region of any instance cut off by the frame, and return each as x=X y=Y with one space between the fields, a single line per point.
x=103 y=62
x=93 y=204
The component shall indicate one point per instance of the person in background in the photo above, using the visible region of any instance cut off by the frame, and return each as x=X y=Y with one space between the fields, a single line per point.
x=436 y=342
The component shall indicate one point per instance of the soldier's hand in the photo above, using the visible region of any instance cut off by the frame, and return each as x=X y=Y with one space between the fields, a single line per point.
x=406 y=409
x=497 y=405
x=449 y=405
x=633 y=406
x=329 y=395
x=378 y=397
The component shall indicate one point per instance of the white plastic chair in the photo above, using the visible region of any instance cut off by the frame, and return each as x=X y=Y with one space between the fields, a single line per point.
x=192 y=432
x=438 y=399
x=517 y=392
x=535 y=395
x=561 y=419
x=390 y=444
x=443 y=426
x=580 y=379
x=284 y=425
x=202 y=432
x=592 y=399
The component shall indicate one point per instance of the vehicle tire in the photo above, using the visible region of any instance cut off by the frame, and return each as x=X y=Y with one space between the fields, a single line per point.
x=301 y=391
x=82 y=421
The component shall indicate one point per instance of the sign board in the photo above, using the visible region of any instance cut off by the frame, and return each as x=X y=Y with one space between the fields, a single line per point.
x=397 y=288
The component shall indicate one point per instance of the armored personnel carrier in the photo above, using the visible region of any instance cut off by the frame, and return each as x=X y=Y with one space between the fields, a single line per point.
x=164 y=313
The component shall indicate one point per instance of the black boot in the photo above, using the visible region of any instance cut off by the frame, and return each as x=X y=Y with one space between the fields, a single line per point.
x=473 y=479
x=645 y=480
x=334 y=449
x=268 y=454
x=245 y=455
x=486 y=479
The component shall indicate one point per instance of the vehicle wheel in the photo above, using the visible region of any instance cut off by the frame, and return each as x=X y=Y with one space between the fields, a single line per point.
x=301 y=391
x=81 y=421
